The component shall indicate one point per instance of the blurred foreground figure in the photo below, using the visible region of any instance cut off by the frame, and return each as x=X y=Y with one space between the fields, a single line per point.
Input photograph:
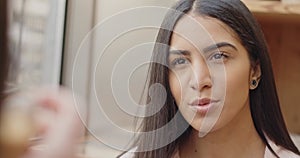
x=39 y=123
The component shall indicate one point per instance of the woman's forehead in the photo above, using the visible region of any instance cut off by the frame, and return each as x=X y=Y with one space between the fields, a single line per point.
x=201 y=31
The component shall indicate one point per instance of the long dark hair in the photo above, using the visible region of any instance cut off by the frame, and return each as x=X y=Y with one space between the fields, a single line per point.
x=3 y=48
x=264 y=103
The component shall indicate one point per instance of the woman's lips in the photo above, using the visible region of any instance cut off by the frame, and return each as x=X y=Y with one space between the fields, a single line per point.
x=202 y=105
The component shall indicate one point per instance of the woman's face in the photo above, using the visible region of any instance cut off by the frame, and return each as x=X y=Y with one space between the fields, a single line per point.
x=210 y=73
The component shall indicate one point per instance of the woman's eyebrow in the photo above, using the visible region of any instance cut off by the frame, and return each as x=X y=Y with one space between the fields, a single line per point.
x=180 y=52
x=217 y=46
x=205 y=50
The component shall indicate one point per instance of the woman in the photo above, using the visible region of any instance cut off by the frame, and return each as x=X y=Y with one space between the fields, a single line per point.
x=213 y=61
x=59 y=134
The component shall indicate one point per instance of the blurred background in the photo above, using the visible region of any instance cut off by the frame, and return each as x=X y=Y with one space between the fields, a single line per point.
x=81 y=45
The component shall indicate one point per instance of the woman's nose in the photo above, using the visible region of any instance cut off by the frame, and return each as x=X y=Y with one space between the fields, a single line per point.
x=200 y=76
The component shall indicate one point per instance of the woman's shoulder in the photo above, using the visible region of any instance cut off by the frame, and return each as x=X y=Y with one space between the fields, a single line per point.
x=280 y=151
x=129 y=154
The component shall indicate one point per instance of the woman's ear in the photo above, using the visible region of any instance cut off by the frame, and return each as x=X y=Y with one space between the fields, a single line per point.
x=255 y=75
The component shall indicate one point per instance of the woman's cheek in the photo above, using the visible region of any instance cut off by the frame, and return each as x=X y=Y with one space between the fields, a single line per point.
x=179 y=84
x=175 y=87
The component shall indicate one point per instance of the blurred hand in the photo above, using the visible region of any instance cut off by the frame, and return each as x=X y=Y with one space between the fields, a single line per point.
x=56 y=123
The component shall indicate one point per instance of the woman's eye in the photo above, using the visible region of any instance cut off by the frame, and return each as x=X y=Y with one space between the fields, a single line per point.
x=179 y=61
x=219 y=56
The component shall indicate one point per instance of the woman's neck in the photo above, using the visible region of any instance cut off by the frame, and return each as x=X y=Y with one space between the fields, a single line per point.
x=237 y=139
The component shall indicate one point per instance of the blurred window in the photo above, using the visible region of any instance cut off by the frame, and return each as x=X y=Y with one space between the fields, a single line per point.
x=36 y=41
